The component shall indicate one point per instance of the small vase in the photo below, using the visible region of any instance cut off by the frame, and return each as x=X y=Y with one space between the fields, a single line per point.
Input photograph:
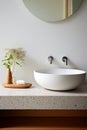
x=9 y=77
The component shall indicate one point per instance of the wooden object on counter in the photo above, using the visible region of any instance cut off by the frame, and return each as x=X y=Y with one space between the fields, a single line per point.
x=26 y=85
x=9 y=77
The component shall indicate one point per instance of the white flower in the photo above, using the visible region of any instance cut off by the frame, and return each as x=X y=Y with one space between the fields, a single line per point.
x=17 y=53
x=13 y=56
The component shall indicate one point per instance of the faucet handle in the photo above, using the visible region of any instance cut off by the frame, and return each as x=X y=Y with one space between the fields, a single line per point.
x=65 y=59
x=50 y=58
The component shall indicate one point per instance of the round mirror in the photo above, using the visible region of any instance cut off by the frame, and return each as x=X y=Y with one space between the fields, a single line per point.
x=52 y=10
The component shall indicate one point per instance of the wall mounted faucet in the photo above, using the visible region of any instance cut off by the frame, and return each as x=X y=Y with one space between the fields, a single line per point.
x=65 y=59
x=50 y=59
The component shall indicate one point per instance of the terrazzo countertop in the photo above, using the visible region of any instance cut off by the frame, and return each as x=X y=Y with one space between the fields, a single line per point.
x=39 y=98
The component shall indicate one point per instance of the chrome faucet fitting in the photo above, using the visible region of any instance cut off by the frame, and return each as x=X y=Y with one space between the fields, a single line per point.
x=50 y=58
x=65 y=59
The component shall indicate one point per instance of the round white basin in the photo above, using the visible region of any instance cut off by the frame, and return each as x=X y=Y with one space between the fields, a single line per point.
x=59 y=79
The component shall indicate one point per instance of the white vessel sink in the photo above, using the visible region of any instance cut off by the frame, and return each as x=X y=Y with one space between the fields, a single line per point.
x=59 y=79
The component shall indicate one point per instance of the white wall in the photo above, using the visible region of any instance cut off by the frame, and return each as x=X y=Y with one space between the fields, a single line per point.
x=19 y=28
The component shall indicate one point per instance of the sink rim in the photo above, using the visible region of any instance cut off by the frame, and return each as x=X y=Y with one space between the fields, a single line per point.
x=60 y=71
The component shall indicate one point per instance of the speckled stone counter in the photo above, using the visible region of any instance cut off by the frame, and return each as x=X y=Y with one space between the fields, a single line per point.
x=39 y=98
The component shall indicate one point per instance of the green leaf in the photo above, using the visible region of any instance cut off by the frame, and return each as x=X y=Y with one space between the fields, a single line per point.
x=11 y=56
x=18 y=63
x=6 y=65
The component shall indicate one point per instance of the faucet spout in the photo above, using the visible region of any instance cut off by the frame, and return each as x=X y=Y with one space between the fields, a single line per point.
x=50 y=59
x=65 y=59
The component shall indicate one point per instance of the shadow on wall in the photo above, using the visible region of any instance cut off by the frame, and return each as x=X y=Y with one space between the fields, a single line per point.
x=26 y=71
x=62 y=64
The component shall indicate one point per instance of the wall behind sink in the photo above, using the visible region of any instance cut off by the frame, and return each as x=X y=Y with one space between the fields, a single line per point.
x=19 y=28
